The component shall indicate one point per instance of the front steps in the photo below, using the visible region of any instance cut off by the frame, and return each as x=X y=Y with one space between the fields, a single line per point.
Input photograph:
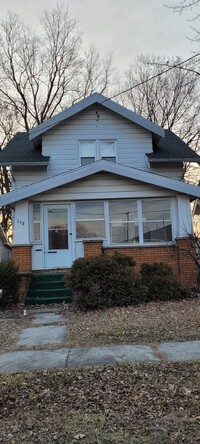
x=48 y=288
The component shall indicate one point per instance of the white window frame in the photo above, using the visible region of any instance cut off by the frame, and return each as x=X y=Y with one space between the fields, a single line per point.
x=38 y=241
x=97 y=147
x=91 y=220
x=107 y=238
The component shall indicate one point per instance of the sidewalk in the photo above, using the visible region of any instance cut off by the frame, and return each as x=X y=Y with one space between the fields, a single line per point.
x=44 y=333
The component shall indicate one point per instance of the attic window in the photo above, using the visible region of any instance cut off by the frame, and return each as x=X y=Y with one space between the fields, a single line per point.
x=91 y=150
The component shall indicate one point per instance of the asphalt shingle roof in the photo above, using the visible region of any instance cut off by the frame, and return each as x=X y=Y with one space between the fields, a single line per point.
x=171 y=147
x=21 y=149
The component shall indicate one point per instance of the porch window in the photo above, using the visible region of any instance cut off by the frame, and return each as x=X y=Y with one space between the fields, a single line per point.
x=156 y=220
x=36 y=222
x=123 y=222
x=90 y=221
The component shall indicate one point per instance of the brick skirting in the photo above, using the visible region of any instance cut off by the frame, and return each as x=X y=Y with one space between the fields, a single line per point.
x=177 y=256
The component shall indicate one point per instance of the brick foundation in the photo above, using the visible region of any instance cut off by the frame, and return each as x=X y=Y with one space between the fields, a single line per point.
x=21 y=254
x=176 y=256
x=92 y=248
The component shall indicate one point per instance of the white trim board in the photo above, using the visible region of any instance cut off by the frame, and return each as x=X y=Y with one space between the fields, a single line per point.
x=93 y=168
x=93 y=99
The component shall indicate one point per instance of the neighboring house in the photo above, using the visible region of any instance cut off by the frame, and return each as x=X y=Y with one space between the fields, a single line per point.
x=196 y=217
x=4 y=246
x=98 y=177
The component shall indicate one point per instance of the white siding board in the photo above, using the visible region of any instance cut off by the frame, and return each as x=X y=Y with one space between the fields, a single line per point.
x=62 y=142
x=102 y=186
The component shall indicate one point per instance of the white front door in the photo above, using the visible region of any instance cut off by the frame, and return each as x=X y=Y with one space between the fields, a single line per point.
x=57 y=236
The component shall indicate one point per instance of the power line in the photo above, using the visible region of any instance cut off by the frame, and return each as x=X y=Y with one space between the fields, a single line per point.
x=154 y=77
x=177 y=65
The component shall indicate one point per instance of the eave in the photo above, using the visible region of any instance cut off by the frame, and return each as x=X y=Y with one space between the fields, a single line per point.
x=97 y=167
x=94 y=99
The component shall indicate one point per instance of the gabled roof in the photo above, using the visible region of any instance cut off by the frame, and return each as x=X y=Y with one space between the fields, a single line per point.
x=93 y=168
x=93 y=99
x=171 y=148
x=21 y=151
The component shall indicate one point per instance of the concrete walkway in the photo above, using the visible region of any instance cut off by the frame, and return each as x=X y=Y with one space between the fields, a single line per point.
x=43 y=333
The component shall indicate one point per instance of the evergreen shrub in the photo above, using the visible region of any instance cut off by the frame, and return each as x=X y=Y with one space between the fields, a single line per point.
x=9 y=280
x=162 y=284
x=105 y=281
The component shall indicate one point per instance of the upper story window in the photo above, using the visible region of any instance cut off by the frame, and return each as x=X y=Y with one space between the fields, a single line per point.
x=91 y=150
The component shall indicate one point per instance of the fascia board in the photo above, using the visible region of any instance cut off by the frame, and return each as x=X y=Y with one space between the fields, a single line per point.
x=91 y=100
x=96 y=167
x=183 y=159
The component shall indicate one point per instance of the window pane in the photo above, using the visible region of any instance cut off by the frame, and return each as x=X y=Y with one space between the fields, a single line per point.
x=123 y=221
x=123 y=210
x=87 y=160
x=109 y=159
x=58 y=229
x=157 y=231
x=90 y=219
x=156 y=220
x=123 y=233
x=155 y=209
x=89 y=210
x=90 y=229
x=108 y=149
x=36 y=222
x=87 y=149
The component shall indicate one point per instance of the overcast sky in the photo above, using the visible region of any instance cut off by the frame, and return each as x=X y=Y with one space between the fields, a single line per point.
x=125 y=27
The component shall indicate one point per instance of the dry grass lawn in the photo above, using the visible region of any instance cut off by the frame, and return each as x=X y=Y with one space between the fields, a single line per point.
x=121 y=404
x=146 y=323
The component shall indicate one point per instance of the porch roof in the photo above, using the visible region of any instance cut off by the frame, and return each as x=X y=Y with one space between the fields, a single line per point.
x=97 y=167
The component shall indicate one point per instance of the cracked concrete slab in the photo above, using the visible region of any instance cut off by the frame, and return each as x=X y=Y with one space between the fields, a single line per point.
x=33 y=360
x=53 y=334
x=47 y=318
x=181 y=351
x=80 y=357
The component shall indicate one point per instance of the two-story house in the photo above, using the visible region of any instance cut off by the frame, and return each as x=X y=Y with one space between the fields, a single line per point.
x=98 y=177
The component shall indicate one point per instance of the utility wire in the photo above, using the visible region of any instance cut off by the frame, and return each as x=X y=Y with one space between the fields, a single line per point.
x=177 y=65
x=155 y=76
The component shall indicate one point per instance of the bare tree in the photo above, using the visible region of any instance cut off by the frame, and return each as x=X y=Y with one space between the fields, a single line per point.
x=40 y=74
x=189 y=5
x=170 y=100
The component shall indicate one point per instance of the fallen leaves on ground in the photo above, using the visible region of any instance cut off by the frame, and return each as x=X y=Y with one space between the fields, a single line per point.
x=136 y=404
x=145 y=323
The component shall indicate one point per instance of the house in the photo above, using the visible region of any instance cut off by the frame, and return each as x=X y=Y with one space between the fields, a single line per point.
x=196 y=217
x=98 y=177
x=4 y=246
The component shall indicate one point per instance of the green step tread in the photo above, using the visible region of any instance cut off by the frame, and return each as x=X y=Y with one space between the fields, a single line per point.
x=39 y=301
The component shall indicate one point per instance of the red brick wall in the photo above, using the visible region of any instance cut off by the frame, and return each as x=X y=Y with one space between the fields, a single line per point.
x=92 y=248
x=21 y=254
x=177 y=257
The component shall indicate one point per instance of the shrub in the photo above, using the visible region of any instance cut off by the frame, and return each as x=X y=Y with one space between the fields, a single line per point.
x=162 y=284
x=105 y=281
x=9 y=279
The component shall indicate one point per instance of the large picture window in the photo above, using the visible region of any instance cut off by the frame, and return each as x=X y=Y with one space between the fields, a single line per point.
x=125 y=221
x=90 y=219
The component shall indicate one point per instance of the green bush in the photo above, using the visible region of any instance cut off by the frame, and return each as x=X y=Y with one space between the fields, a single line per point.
x=162 y=284
x=9 y=280
x=105 y=281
